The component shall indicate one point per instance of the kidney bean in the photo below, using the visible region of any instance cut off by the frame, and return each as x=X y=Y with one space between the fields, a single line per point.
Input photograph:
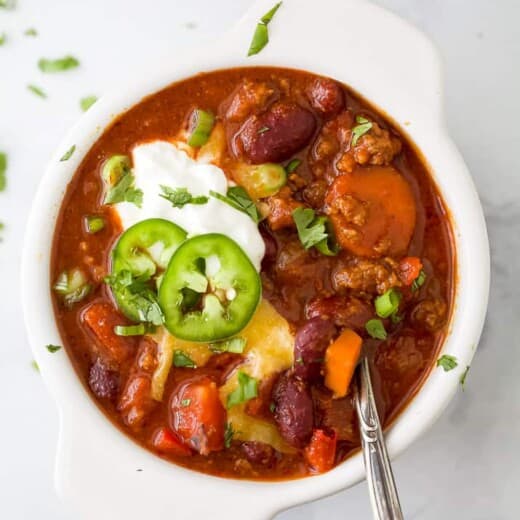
x=103 y=381
x=277 y=134
x=312 y=339
x=259 y=453
x=326 y=97
x=293 y=409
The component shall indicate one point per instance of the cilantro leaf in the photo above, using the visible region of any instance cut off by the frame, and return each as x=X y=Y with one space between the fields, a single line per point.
x=179 y=197
x=235 y=345
x=247 y=389
x=228 y=435
x=53 y=348
x=419 y=281
x=86 y=102
x=363 y=126
x=292 y=165
x=238 y=198
x=314 y=231
x=58 y=65
x=31 y=32
x=137 y=296
x=447 y=362
x=3 y=39
x=68 y=154
x=37 y=90
x=180 y=359
x=3 y=169
x=124 y=191
x=463 y=377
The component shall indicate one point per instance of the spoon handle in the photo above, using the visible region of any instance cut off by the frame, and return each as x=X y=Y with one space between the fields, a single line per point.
x=381 y=484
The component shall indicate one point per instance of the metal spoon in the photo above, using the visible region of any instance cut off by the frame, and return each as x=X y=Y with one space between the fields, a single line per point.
x=381 y=484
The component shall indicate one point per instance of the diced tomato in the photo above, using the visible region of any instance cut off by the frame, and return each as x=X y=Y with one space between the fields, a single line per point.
x=164 y=440
x=100 y=319
x=409 y=269
x=320 y=453
x=198 y=417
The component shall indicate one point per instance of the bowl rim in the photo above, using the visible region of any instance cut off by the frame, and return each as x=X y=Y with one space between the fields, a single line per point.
x=418 y=103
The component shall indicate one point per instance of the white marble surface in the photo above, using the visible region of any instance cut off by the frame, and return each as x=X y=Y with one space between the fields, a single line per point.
x=468 y=466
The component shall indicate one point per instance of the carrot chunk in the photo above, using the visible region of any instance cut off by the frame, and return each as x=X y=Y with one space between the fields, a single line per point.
x=373 y=211
x=341 y=358
x=320 y=453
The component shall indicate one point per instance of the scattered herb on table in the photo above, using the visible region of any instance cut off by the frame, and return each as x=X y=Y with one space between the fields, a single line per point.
x=37 y=90
x=31 y=32
x=3 y=171
x=68 y=154
x=261 y=34
x=53 y=348
x=86 y=102
x=58 y=65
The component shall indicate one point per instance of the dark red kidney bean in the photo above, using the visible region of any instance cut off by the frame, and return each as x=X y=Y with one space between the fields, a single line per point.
x=103 y=381
x=271 y=247
x=326 y=97
x=259 y=453
x=311 y=341
x=293 y=411
x=344 y=311
x=277 y=134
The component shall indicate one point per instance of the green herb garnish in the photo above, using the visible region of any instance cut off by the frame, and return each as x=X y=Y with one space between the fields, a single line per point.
x=37 y=90
x=94 y=224
x=3 y=170
x=86 y=102
x=72 y=286
x=180 y=359
x=185 y=402
x=419 y=281
x=235 y=345
x=124 y=191
x=261 y=34
x=138 y=297
x=314 y=231
x=68 y=154
x=292 y=165
x=202 y=122
x=238 y=198
x=3 y=39
x=53 y=348
x=447 y=362
x=58 y=65
x=179 y=197
x=31 y=32
x=130 y=330
x=35 y=366
x=363 y=126
x=388 y=303
x=247 y=389
x=463 y=377
x=376 y=329
x=228 y=435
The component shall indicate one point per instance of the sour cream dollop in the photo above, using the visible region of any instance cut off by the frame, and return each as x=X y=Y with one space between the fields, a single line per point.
x=162 y=163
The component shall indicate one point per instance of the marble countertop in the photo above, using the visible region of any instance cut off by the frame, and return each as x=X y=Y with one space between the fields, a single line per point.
x=467 y=467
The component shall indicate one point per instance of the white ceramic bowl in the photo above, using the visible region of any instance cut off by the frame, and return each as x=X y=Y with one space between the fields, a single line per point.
x=395 y=67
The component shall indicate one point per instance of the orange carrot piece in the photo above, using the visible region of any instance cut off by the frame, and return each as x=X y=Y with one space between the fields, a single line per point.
x=341 y=358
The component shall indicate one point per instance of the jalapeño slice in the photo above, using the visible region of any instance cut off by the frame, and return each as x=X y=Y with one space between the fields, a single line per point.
x=210 y=289
x=143 y=251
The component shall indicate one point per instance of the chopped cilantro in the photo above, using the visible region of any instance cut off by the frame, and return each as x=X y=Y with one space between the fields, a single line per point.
x=35 y=366
x=228 y=435
x=419 y=281
x=3 y=39
x=58 y=65
x=463 y=377
x=179 y=197
x=261 y=34
x=292 y=165
x=235 y=345
x=447 y=362
x=180 y=359
x=53 y=348
x=68 y=154
x=3 y=170
x=37 y=90
x=31 y=32
x=363 y=126
x=247 y=389
x=314 y=231
x=124 y=191
x=86 y=102
x=238 y=198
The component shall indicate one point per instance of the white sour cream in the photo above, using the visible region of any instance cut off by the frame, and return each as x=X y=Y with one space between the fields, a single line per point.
x=161 y=163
